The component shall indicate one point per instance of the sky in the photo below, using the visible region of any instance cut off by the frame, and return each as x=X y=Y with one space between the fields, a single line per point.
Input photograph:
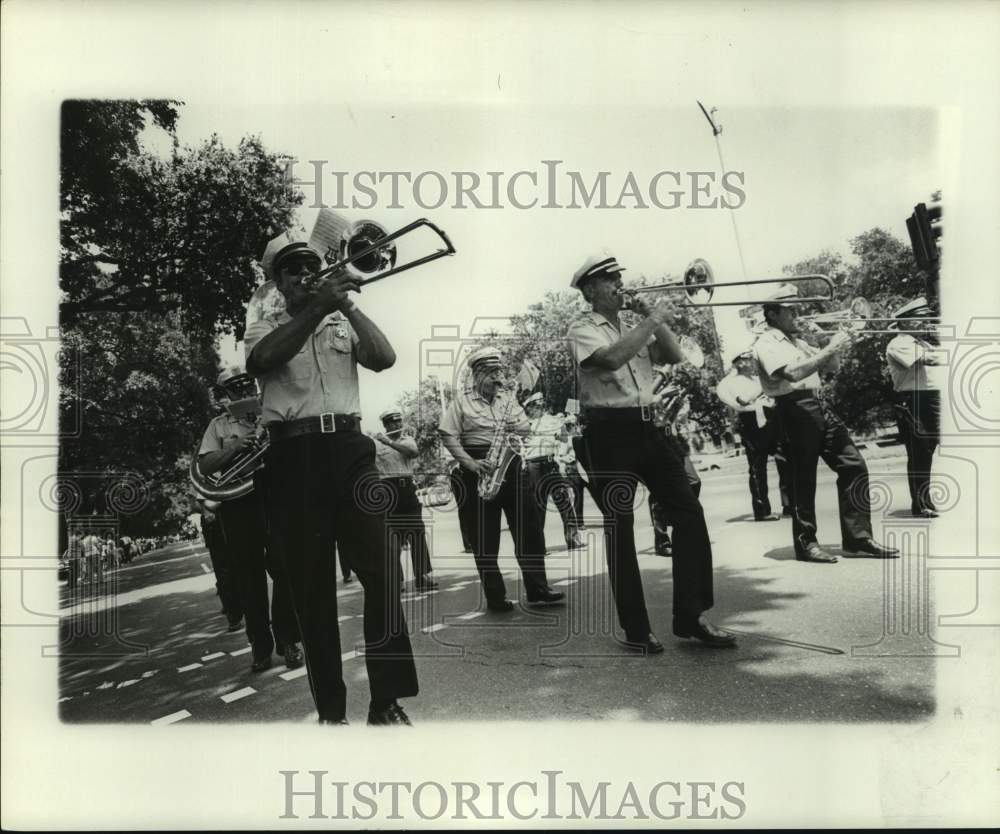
x=812 y=178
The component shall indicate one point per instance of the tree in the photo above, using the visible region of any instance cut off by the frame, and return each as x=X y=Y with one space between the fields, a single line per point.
x=139 y=232
x=137 y=385
x=157 y=259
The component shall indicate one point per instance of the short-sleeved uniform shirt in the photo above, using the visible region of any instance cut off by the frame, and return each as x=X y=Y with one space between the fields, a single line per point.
x=738 y=385
x=392 y=463
x=775 y=351
x=223 y=428
x=322 y=377
x=474 y=421
x=907 y=373
x=543 y=440
x=630 y=386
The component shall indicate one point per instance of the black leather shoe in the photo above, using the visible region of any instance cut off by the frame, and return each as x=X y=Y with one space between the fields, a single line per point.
x=702 y=629
x=927 y=512
x=870 y=547
x=260 y=664
x=575 y=542
x=648 y=646
x=664 y=550
x=348 y=580
x=292 y=654
x=547 y=597
x=425 y=583
x=814 y=553
x=391 y=715
x=235 y=625
x=787 y=512
x=339 y=722
x=500 y=605
x=769 y=517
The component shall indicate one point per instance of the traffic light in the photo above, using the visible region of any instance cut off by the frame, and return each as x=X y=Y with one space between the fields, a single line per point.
x=924 y=226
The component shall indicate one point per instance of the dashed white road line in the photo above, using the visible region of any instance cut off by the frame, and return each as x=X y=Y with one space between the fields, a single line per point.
x=238 y=652
x=293 y=674
x=471 y=615
x=189 y=667
x=343 y=617
x=229 y=697
x=351 y=655
x=212 y=656
x=123 y=684
x=205 y=568
x=432 y=628
x=173 y=718
x=565 y=582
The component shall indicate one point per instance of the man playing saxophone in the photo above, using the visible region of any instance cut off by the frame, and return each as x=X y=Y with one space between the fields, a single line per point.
x=477 y=423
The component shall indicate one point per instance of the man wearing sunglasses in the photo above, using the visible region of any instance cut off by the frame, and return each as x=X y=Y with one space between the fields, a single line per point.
x=321 y=467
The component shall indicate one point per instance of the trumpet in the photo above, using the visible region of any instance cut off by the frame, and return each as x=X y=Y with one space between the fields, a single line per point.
x=699 y=286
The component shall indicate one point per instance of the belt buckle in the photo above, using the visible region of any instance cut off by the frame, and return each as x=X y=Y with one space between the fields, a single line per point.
x=326 y=423
x=646 y=412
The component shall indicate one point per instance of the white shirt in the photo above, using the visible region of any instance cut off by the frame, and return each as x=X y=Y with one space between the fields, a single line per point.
x=775 y=351
x=628 y=387
x=907 y=373
x=322 y=377
x=392 y=463
x=544 y=437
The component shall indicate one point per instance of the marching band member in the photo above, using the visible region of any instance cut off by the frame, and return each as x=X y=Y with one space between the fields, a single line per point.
x=758 y=422
x=305 y=358
x=394 y=457
x=543 y=472
x=242 y=520
x=668 y=412
x=226 y=585
x=917 y=378
x=569 y=469
x=468 y=428
x=615 y=387
x=789 y=373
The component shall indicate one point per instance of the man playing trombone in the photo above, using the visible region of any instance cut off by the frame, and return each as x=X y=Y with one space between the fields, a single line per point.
x=789 y=373
x=614 y=370
x=476 y=422
x=321 y=468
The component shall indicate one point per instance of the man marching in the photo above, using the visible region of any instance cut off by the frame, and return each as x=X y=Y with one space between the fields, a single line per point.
x=917 y=378
x=758 y=423
x=789 y=373
x=394 y=457
x=614 y=368
x=476 y=419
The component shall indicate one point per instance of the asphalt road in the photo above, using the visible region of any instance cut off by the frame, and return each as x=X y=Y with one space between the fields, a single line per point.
x=154 y=647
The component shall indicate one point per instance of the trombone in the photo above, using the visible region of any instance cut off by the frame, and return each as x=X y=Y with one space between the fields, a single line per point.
x=699 y=280
x=856 y=317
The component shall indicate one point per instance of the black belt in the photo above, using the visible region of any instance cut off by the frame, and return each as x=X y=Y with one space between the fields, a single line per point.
x=401 y=480
x=794 y=396
x=641 y=414
x=327 y=423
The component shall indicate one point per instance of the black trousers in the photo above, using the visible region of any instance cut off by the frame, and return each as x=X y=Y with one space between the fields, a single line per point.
x=918 y=415
x=759 y=443
x=514 y=501
x=324 y=489
x=657 y=515
x=252 y=560
x=618 y=456
x=406 y=524
x=812 y=432
x=226 y=582
x=546 y=482
x=464 y=515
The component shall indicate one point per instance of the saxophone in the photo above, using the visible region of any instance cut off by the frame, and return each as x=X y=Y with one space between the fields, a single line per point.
x=504 y=447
